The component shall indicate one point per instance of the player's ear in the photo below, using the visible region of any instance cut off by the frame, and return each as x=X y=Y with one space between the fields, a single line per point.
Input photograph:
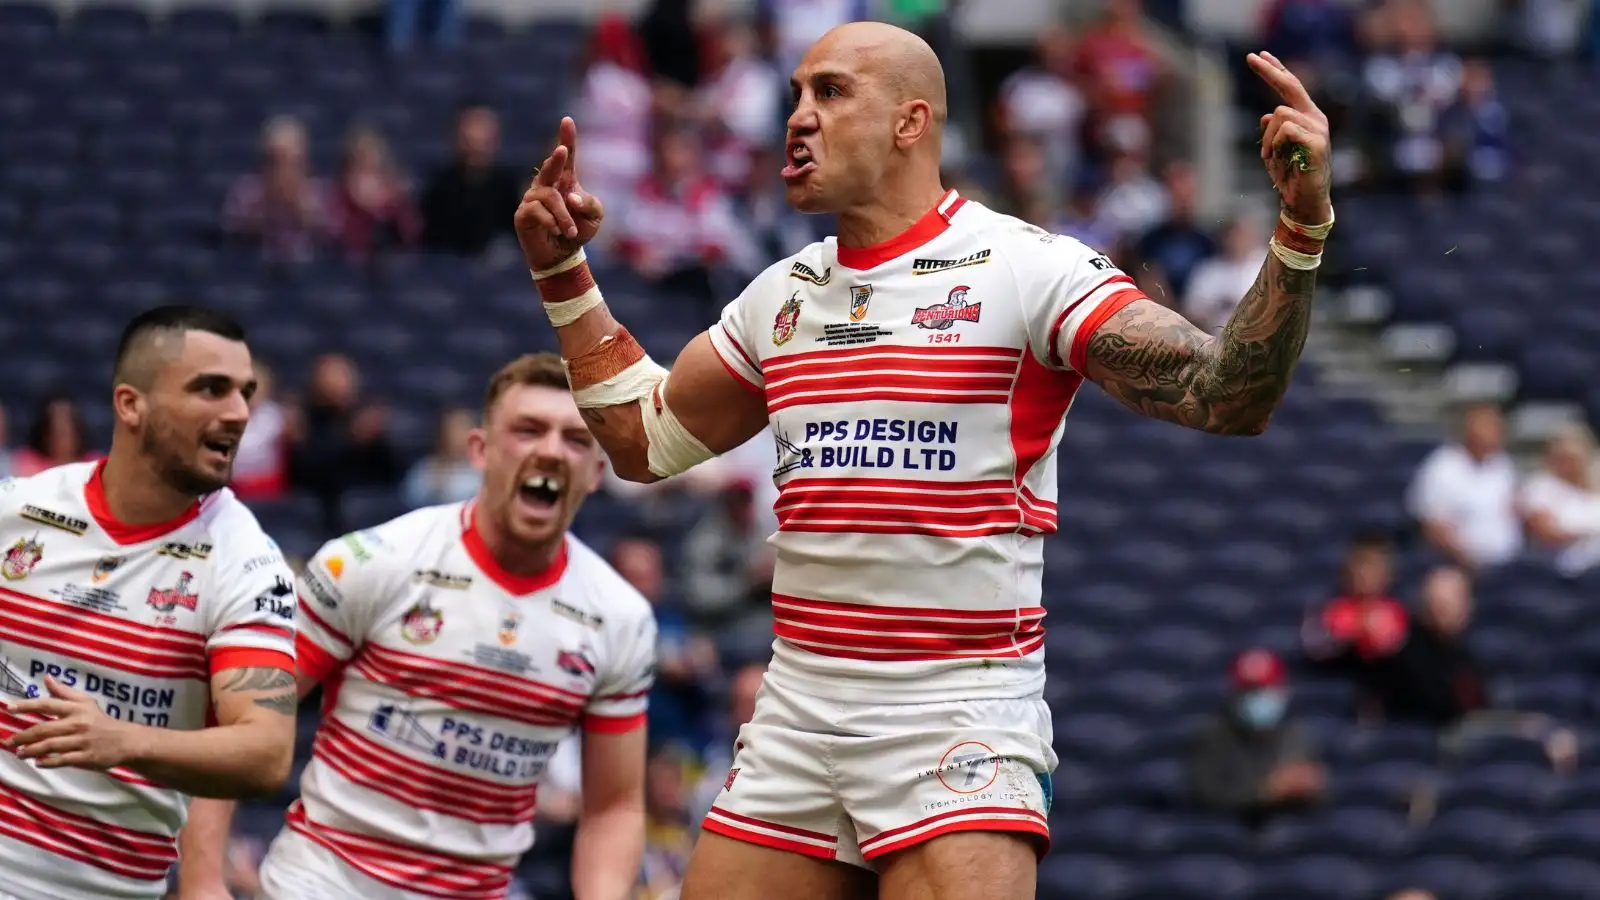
x=128 y=404
x=477 y=448
x=916 y=119
x=599 y=472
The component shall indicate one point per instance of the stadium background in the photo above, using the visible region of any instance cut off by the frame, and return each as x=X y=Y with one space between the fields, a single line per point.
x=133 y=171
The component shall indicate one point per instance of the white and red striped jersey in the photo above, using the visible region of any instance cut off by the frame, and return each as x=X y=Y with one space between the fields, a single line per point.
x=449 y=683
x=140 y=617
x=917 y=391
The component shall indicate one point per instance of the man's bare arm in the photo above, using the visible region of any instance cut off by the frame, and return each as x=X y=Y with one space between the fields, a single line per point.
x=203 y=842
x=1155 y=362
x=556 y=218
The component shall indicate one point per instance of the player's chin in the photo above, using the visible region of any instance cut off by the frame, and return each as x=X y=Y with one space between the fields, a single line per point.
x=805 y=196
x=207 y=474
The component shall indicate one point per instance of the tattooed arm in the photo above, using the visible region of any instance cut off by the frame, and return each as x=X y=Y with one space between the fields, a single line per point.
x=1155 y=362
x=247 y=753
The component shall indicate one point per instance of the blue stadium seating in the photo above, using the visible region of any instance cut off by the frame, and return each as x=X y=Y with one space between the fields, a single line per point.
x=1176 y=550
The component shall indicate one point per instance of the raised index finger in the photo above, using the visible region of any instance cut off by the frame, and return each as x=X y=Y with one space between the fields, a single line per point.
x=1282 y=80
x=569 y=139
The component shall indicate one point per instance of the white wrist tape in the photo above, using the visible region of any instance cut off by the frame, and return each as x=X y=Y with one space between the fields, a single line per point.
x=673 y=450
x=571 y=262
x=1315 y=232
x=1294 y=259
x=568 y=311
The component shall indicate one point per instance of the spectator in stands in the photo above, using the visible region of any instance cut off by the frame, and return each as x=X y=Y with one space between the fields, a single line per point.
x=769 y=227
x=1365 y=623
x=1027 y=189
x=676 y=225
x=1560 y=504
x=261 y=464
x=438 y=21
x=339 y=442
x=445 y=475
x=792 y=26
x=372 y=206
x=282 y=209
x=57 y=437
x=1081 y=220
x=6 y=468
x=1040 y=101
x=1219 y=282
x=739 y=102
x=1413 y=894
x=688 y=668
x=614 y=105
x=725 y=559
x=1178 y=244
x=1132 y=202
x=669 y=831
x=743 y=688
x=1249 y=759
x=1309 y=34
x=1119 y=69
x=469 y=203
x=1411 y=83
x=671 y=42
x=1464 y=494
x=1476 y=130
x=1549 y=29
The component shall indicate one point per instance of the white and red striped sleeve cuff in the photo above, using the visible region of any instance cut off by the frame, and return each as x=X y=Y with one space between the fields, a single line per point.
x=1077 y=321
x=737 y=358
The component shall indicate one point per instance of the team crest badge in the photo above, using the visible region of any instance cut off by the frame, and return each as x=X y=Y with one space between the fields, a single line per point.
x=104 y=568
x=788 y=316
x=21 y=558
x=508 y=628
x=860 y=296
x=422 y=623
x=168 y=599
x=943 y=316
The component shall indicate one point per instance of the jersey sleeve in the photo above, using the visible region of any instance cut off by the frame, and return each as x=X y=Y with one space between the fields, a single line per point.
x=1067 y=291
x=734 y=335
x=622 y=695
x=340 y=591
x=252 y=614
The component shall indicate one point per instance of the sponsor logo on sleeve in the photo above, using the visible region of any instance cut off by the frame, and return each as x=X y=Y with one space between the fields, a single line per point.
x=944 y=316
x=54 y=519
x=1102 y=263
x=179 y=550
x=358 y=547
x=783 y=326
x=277 y=600
x=577 y=663
x=805 y=273
x=21 y=558
x=930 y=266
x=262 y=561
x=324 y=593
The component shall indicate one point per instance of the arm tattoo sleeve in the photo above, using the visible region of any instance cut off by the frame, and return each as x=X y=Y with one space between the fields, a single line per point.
x=1155 y=362
x=276 y=686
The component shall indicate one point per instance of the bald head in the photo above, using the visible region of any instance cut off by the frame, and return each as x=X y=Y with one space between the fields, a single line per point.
x=893 y=55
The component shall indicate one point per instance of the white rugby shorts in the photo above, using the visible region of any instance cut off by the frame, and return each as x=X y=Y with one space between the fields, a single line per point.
x=852 y=781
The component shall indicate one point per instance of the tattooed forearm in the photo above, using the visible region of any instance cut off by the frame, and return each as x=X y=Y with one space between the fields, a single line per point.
x=257 y=679
x=1155 y=362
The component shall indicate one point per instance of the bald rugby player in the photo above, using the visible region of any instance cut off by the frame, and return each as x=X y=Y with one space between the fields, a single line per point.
x=915 y=371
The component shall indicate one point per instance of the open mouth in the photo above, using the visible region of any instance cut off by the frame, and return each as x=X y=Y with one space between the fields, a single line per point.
x=541 y=491
x=222 y=446
x=801 y=163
